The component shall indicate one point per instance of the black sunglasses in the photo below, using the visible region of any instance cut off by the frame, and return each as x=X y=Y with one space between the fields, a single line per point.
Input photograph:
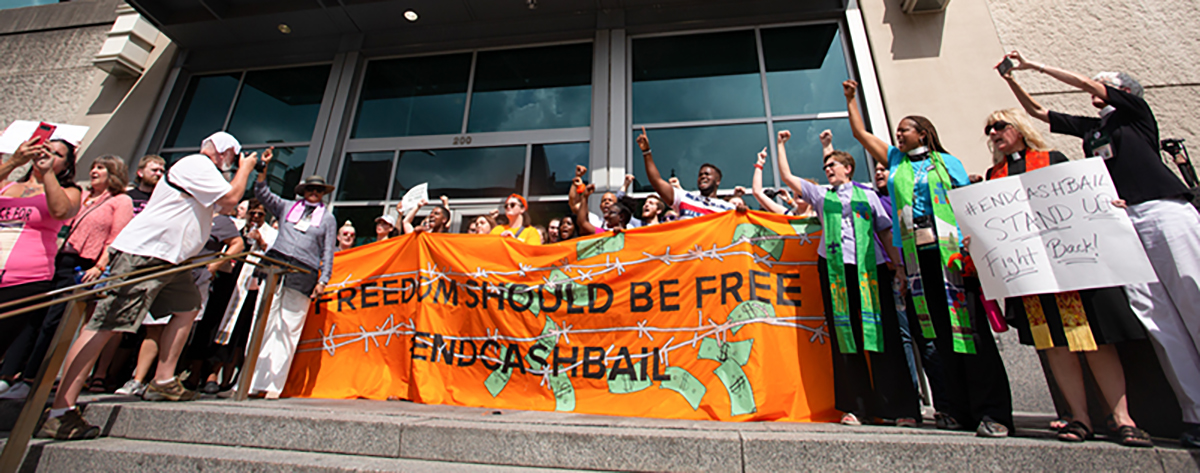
x=1000 y=125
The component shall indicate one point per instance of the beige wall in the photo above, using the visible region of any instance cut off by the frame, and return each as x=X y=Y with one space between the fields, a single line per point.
x=940 y=65
x=1155 y=41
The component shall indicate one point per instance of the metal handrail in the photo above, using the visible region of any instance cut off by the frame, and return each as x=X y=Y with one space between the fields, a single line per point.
x=35 y=401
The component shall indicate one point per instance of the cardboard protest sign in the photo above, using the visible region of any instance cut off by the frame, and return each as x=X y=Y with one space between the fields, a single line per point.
x=717 y=318
x=1050 y=230
x=20 y=131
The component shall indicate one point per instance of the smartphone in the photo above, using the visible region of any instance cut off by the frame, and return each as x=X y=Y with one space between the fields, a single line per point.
x=44 y=131
x=1004 y=66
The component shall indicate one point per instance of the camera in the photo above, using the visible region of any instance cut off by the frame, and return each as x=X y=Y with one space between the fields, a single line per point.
x=770 y=193
x=1172 y=146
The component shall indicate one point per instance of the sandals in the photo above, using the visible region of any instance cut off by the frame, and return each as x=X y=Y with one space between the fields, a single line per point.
x=1061 y=422
x=97 y=386
x=1075 y=431
x=850 y=419
x=1131 y=436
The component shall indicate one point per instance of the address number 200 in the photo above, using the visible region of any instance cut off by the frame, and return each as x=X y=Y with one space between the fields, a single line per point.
x=462 y=140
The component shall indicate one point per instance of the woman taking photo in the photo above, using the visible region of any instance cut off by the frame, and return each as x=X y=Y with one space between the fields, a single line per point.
x=517 y=211
x=104 y=212
x=32 y=210
x=853 y=268
x=307 y=234
x=922 y=174
x=1097 y=317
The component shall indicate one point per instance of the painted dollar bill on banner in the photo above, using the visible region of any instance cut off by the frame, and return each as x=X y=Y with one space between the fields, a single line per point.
x=717 y=318
x=1050 y=230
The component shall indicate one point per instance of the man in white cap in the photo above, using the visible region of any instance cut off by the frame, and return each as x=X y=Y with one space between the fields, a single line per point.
x=173 y=227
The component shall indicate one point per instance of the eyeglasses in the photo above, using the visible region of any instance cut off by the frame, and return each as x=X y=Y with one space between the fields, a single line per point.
x=830 y=164
x=511 y=205
x=999 y=125
x=257 y=214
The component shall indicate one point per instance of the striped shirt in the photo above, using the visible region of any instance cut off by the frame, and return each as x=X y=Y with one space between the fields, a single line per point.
x=690 y=204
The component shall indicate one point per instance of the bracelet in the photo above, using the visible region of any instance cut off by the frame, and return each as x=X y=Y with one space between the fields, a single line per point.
x=759 y=166
x=645 y=152
x=580 y=189
x=260 y=166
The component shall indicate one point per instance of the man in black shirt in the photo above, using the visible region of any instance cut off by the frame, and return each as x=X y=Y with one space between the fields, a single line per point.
x=1126 y=137
x=149 y=171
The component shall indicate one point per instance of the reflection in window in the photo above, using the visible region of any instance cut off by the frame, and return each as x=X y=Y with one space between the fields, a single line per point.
x=679 y=152
x=805 y=69
x=533 y=88
x=5 y=4
x=552 y=167
x=804 y=148
x=363 y=219
x=462 y=172
x=696 y=77
x=365 y=176
x=285 y=172
x=279 y=105
x=411 y=97
x=203 y=109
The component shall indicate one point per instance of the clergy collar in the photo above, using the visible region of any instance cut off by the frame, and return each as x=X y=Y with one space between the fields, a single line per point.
x=1017 y=156
x=918 y=151
x=1107 y=110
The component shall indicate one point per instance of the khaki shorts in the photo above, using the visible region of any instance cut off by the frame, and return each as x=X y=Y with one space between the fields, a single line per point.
x=124 y=308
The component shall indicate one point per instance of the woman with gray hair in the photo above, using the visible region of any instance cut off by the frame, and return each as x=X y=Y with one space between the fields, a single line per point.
x=1126 y=137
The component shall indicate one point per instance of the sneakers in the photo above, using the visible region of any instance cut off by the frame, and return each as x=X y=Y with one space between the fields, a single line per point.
x=989 y=428
x=132 y=387
x=17 y=391
x=69 y=426
x=850 y=419
x=4 y=385
x=172 y=391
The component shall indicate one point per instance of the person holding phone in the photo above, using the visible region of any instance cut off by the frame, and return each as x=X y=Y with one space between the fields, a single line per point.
x=32 y=210
x=1126 y=136
x=922 y=174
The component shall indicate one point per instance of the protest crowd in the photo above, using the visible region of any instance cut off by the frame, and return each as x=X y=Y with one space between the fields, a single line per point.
x=902 y=297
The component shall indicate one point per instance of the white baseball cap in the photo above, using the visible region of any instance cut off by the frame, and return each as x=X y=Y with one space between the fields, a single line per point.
x=222 y=142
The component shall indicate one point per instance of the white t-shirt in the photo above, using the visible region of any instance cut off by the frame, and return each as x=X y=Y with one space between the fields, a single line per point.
x=174 y=226
x=690 y=204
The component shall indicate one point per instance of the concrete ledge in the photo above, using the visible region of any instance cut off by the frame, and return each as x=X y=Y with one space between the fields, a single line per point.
x=951 y=453
x=231 y=425
x=121 y=455
x=573 y=447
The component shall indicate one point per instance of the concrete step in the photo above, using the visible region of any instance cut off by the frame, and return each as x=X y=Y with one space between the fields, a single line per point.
x=311 y=433
x=124 y=455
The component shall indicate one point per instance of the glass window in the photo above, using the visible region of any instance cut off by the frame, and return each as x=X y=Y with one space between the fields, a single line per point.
x=415 y=96
x=279 y=105
x=679 y=152
x=364 y=176
x=533 y=88
x=804 y=148
x=462 y=172
x=696 y=77
x=805 y=69
x=5 y=4
x=552 y=167
x=203 y=109
x=285 y=172
x=363 y=219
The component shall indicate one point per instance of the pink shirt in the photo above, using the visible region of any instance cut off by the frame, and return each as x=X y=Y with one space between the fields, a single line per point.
x=96 y=225
x=27 y=239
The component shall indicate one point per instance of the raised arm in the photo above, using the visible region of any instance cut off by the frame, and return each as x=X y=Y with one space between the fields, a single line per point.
x=876 y=147
x=581 y=216
x=659 y=184
x=1062 y=75
x=406 y=225
x=785 y=168
x=237 y=185
x=25 y=153
x=767 y=203
x=1031 y=106
x=62 y=203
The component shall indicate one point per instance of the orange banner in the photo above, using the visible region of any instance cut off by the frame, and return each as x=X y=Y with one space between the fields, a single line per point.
x=715 y=318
